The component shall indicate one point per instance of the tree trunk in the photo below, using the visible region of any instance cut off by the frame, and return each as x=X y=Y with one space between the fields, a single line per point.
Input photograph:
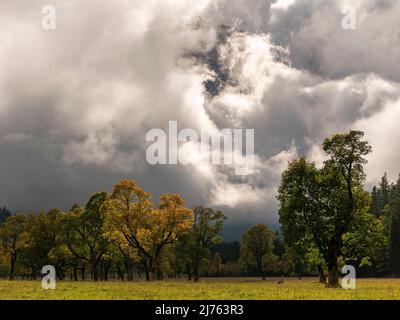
x=107 y=265
x=260 y=269
x=75 y=273
x=321 y=273
x=101 y=271
x=196 y=267
x=332 y=263
x=129 y=268
x=160 y=275
x=189 y=272
x=129 y=273
x=120 y=273
x=147 y=268
x=147 y=273
x=12 y=265
x=95 y=271
x=333 y=276
x=154 y=269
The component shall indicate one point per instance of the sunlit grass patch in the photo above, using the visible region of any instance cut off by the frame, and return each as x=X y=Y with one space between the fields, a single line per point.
x=221 y=288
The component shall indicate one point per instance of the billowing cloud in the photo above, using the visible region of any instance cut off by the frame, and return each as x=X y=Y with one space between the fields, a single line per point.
x=76 y=102
x=313 y=32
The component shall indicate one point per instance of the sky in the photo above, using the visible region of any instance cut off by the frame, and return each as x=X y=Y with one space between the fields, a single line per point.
x=77 y=101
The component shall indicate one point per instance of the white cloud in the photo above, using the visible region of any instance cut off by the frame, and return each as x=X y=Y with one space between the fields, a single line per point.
x=282 y=4
x=383 y=132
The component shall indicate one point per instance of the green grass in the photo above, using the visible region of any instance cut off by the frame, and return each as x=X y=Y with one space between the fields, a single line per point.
x=222 y=288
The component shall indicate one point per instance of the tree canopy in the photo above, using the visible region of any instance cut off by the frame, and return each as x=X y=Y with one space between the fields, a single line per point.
x=329 y=204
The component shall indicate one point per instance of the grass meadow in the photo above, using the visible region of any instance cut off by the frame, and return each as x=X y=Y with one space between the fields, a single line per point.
x=206 y=289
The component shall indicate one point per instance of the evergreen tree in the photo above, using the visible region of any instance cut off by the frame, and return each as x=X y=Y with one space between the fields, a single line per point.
x=392 y=218
x=4 y=214
x=375 y=202
x=384 y=190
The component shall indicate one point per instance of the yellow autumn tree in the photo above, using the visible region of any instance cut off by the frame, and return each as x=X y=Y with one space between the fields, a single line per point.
x=134 y=223
x=13 y=238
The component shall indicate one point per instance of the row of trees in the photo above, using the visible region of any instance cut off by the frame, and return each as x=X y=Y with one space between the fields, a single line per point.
x=123 y=233
x=114 y=233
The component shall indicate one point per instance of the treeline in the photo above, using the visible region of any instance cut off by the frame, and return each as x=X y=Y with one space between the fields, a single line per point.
x=124 y=235
x=385 y=205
